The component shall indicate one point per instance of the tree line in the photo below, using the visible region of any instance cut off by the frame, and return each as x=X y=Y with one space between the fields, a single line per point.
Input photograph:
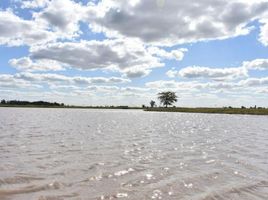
x=28 y=103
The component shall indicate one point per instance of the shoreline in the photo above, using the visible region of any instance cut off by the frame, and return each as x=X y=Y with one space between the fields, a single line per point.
x=72 y=107
x=237 y=111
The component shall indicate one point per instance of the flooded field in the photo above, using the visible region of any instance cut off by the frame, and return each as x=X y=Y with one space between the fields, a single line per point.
x=55 y=154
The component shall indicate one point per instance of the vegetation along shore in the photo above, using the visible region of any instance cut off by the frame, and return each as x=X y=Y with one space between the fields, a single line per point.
x=166 y=99
x=227 y=110
x=45 y=104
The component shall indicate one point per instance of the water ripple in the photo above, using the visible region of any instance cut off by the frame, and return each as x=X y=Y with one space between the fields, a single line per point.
x=58 y=154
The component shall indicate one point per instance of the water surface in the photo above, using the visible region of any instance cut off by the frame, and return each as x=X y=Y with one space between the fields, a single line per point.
x=55 y=154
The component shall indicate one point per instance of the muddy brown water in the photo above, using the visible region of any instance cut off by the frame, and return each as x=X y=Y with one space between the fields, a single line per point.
x=73 y=154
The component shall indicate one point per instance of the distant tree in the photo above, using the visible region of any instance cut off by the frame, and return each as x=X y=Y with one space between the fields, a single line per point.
x=143 y=106
x=3 y=101
x=152 y=103
x=167 y=98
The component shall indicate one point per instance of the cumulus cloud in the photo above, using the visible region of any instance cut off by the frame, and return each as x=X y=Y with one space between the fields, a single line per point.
x=263 y=37
x=117 y=90
x=175 y=22
x=34 y=3
x=16 y=31
x=63 y=16
x=125 y=56
x=55 y=20
x=26 y=64
x=254 y=82
x=8 y=81
x=218 y=74
x=258 y=64
x=136 y=72
x=28 y=80
x=173 y=73
x=175 y=85
x=177 y=54
x=193 y=86
x=72 y=80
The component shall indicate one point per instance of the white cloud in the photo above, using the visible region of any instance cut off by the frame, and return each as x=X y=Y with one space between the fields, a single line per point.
x=26 y=64
x=16 y=31
x=72 y=80
x=126 y=56
x=177 y=54
x=250 y=85
x=218 y=74
x=172 y=73
x=55 y=20
x=175 y=22
x=8 y=81
x=62 y=16
x=34 y=3
x=174 y=85
x=263 y=37
x=258 y=64
x=136 y=72
x=254 y=82
x=28 y=80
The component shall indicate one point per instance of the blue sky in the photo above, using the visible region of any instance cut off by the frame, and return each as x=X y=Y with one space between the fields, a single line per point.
x=211 y=53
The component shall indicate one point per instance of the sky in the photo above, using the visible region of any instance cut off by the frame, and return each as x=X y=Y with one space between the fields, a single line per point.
x=119 y=52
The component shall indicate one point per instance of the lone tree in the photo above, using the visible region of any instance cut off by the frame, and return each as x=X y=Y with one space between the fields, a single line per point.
x=167 y=98
x=152 y=103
